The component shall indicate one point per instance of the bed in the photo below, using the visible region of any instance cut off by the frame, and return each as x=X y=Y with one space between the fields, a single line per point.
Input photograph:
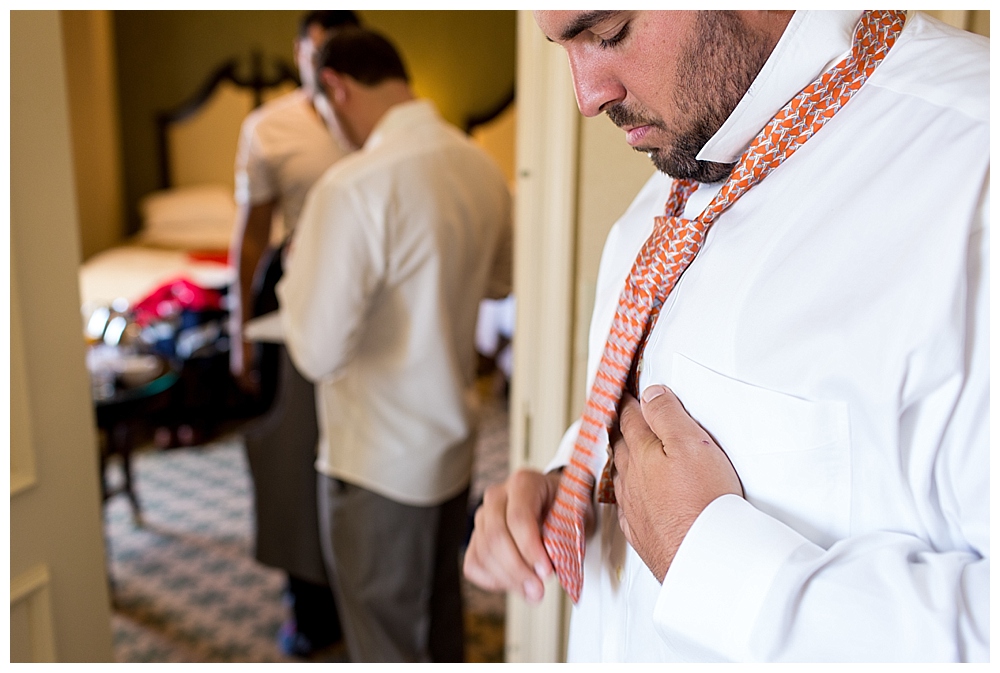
x=186 y=225
x=169 y=282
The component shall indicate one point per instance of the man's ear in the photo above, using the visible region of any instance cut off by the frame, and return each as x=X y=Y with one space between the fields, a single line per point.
x=335 y=85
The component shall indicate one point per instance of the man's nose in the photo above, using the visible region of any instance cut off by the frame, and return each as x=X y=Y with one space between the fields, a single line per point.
x=596 y=88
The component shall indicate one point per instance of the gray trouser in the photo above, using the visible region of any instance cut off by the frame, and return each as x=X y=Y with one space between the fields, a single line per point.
x=395 y=573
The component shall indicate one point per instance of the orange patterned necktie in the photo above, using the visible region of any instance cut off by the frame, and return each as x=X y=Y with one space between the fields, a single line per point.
x=666 y=254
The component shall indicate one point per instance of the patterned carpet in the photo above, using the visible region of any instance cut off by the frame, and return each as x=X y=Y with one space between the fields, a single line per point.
x=185 y=585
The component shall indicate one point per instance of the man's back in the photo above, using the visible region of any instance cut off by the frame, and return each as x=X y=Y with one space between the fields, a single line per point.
x=445 y=205
x=403 y=236
x=284 y=149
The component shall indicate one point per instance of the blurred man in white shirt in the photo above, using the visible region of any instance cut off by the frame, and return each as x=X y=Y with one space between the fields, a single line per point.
x=396 y=247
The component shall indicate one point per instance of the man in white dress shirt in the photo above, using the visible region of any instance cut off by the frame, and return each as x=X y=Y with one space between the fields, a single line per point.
x=807 y=477
x=397 y=245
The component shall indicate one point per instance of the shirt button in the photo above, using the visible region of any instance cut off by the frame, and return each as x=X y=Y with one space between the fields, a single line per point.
x=619 y=573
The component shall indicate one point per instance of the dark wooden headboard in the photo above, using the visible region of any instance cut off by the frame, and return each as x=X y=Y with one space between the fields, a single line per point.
x=258 y=86
x=496 y=131
x=258 y=83
x=479 y=120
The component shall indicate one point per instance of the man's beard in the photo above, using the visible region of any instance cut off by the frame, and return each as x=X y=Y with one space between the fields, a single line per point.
x=714 y=71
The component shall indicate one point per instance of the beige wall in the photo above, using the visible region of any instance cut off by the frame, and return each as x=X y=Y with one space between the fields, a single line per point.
x=610 y=175
x=974 y=20
x=93 y=105
x=462 y=60
x=59 y=593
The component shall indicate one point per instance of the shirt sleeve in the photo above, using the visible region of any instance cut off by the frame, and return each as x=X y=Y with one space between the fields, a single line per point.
x=255 y=183
x=500 y=280
x=746 y=587
x=335 y=265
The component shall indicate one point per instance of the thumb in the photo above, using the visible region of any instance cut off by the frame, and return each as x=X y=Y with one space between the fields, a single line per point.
x=664 y=413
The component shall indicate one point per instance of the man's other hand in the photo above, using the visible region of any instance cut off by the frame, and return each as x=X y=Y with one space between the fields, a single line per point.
x=241 y=366
x=506 y=551
x=667 y=470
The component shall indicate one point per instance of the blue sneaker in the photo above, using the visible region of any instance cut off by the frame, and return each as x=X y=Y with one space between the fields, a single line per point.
x=293 y=643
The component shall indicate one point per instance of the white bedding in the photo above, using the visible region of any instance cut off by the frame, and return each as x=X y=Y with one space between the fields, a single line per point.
x=133 y=271
x=195 y=217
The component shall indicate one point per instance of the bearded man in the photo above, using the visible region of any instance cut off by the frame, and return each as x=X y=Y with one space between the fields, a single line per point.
x=806 y=321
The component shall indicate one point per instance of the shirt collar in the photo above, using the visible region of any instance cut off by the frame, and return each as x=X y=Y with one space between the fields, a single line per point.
x=402 y=116
x=813 y=42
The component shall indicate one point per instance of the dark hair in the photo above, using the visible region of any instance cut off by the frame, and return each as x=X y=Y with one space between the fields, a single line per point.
x=327 y=18
x=364 y=55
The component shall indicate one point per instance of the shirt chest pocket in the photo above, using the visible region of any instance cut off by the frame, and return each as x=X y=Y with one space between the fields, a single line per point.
x=792 y=455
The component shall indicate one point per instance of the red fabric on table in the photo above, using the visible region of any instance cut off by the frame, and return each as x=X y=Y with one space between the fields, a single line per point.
x=172 y=297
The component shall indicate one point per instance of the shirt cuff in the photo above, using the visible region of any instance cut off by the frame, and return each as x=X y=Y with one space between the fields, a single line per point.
x=719 y=580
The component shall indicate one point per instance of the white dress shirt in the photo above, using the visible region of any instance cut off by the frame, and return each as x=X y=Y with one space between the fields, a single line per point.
x=396 y=246
x=284 y=148
x=832 y=336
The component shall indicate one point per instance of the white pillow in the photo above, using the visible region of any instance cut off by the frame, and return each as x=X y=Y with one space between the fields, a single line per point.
x=200 y=217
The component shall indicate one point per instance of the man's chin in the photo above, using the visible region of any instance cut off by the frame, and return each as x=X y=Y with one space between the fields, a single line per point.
x=655 y=154
x=686 y=168
x=661 y=160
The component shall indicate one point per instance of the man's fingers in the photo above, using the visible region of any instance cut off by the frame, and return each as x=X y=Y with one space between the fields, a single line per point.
x=619 y=456
x=507 y=555
x=506 y=550
x=530 y=495
x=491 y=559
x=634 y=427
x=672 y=424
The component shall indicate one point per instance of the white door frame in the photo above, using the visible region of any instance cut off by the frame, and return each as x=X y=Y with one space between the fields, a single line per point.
x=59 y=603
x=545 y=240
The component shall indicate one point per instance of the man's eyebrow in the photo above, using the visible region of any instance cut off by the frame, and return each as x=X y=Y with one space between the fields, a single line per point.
x=585 y=21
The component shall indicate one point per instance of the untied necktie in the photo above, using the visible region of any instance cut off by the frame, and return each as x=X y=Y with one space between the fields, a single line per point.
x=665 y=255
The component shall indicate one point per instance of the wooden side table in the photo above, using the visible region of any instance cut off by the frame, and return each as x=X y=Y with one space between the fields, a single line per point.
x=122 y=413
